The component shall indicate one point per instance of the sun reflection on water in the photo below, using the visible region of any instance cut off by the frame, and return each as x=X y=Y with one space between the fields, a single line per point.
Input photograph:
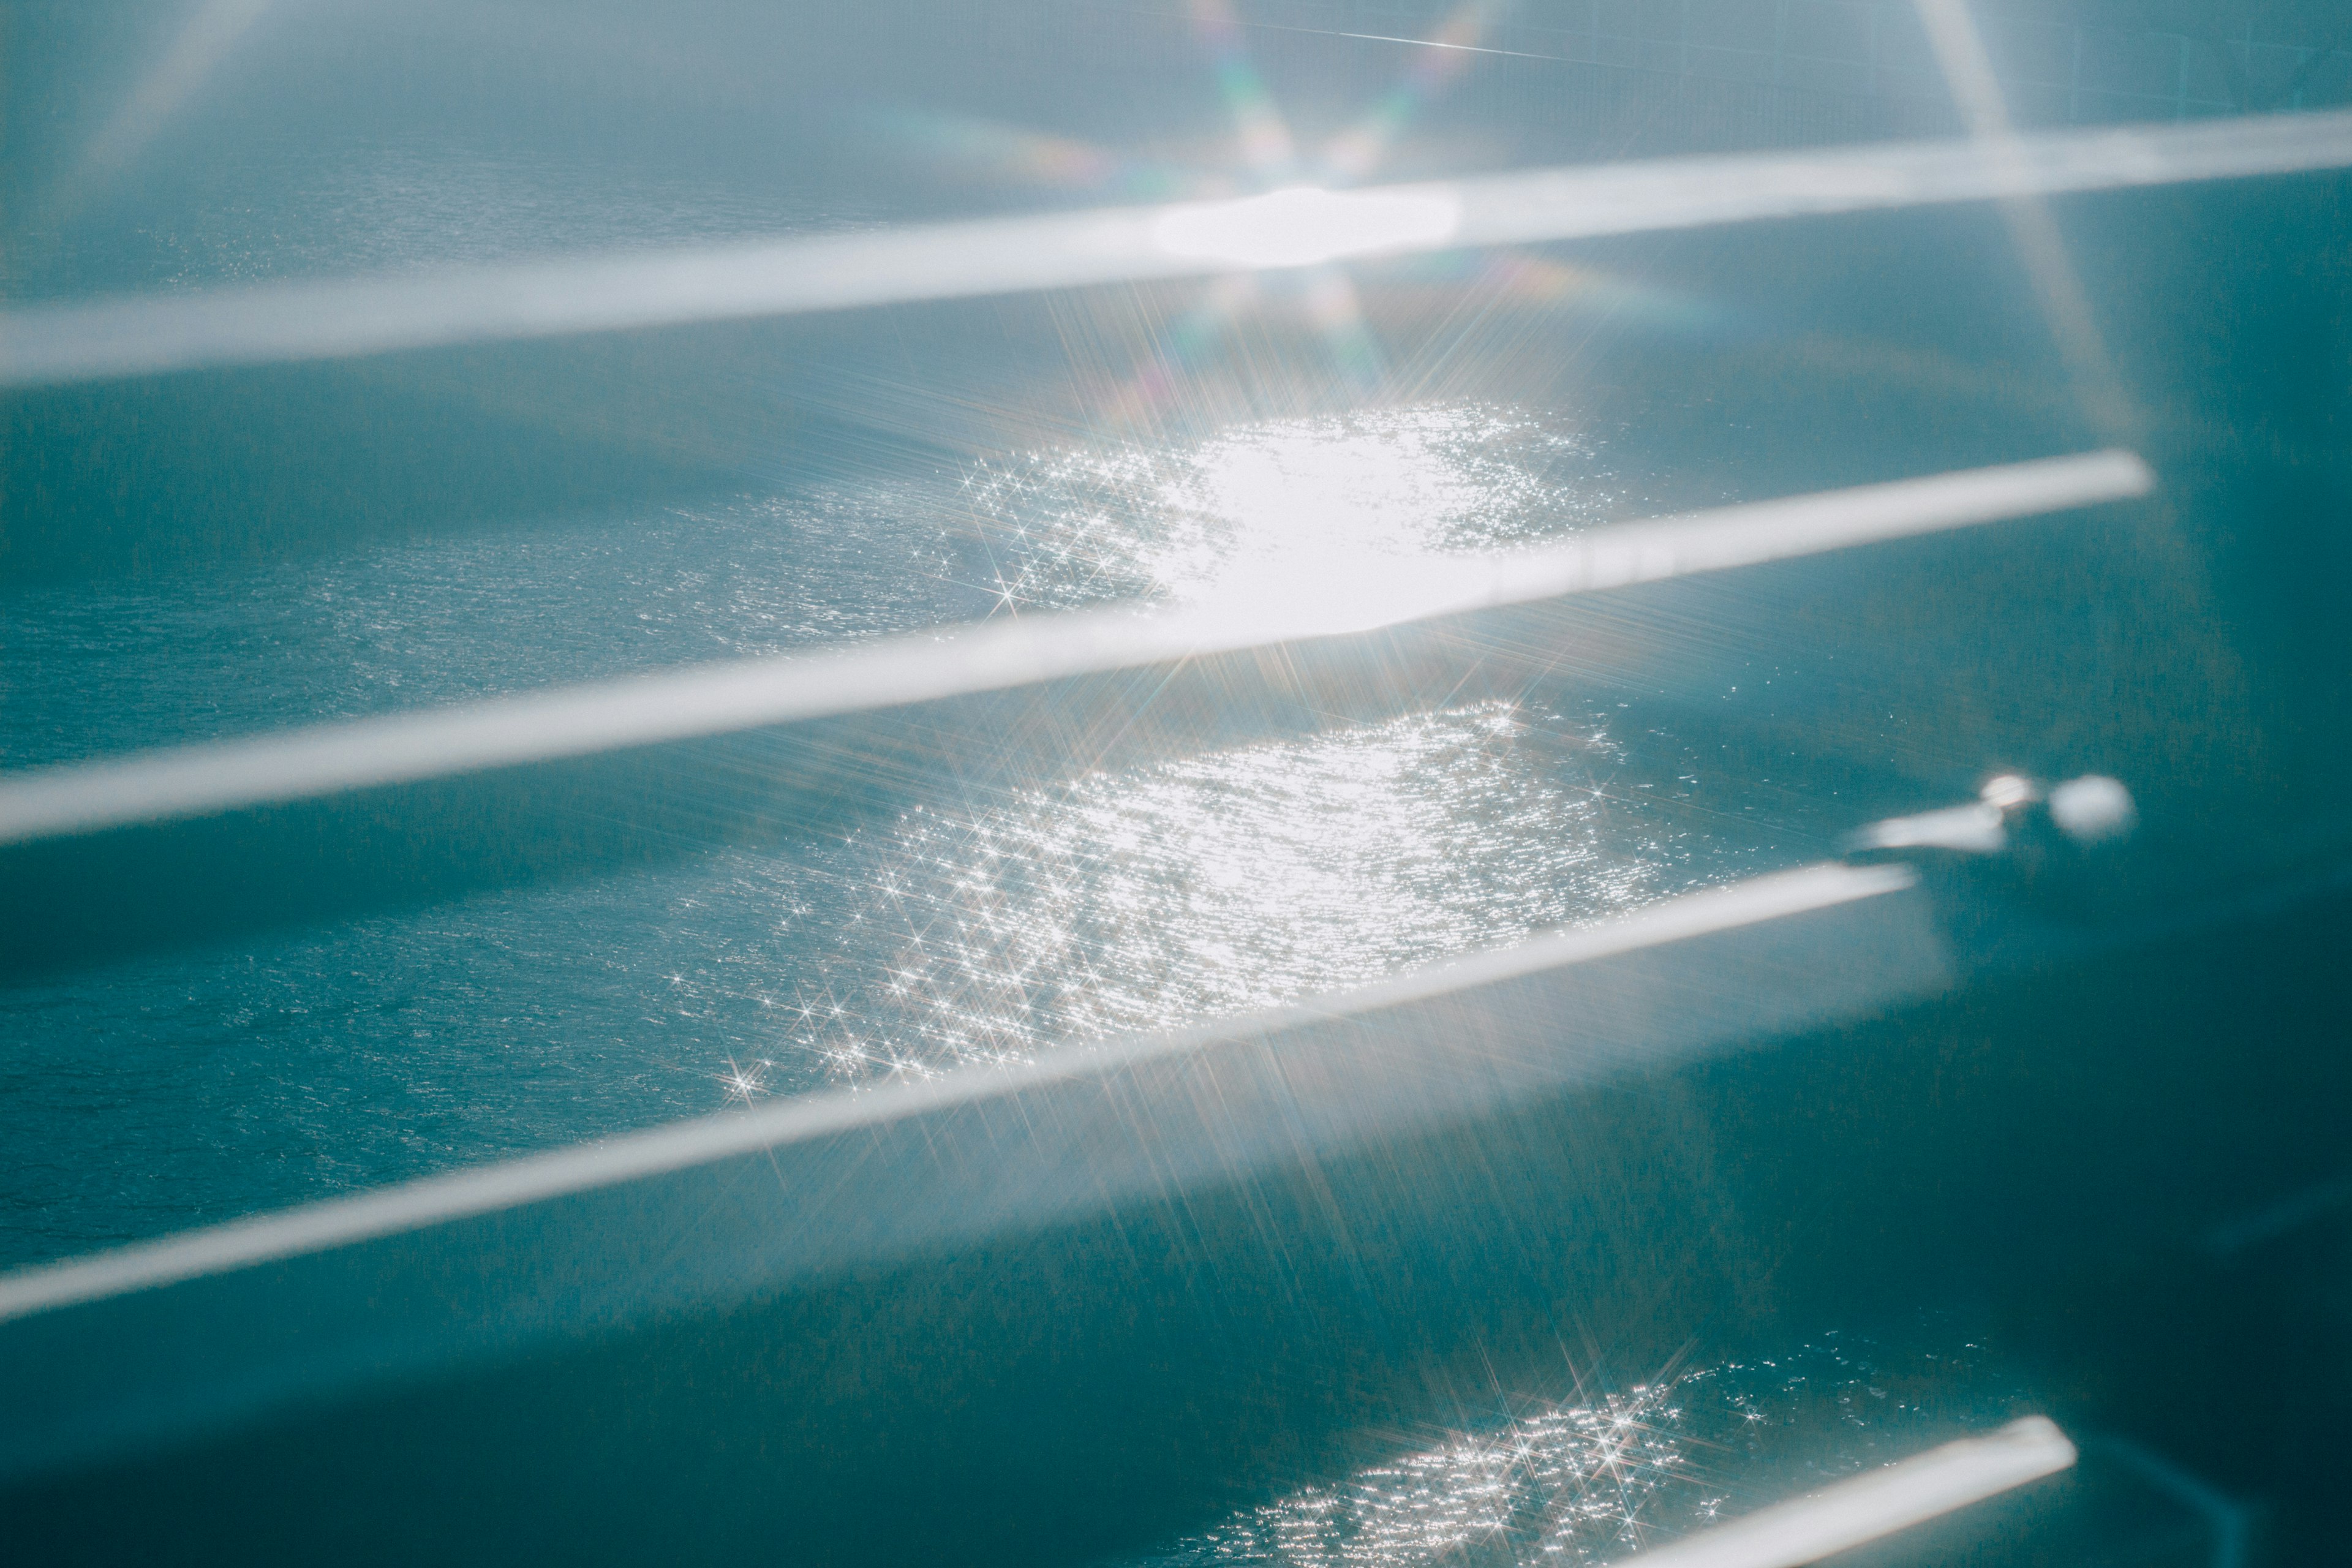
x=1138 y=898
x=1280 y=513
x=1109 y=901
x=1594 y=1481
x=1289 y=509
x=1063 y=900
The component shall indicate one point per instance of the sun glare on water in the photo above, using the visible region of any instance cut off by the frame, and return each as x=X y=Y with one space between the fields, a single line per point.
x=1297 y=520
x=1098 y=901
x=1290 y=516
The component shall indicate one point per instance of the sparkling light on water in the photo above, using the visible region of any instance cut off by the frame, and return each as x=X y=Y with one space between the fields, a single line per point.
x=1139 y=899
x=1595 y=1480
x=1273 y=511
x=1064 y=902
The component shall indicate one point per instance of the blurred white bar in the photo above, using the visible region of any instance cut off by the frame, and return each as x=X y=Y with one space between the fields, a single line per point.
x=45 y=344
x=996 y=656
x=1875 y=1504
x=1374 y=1060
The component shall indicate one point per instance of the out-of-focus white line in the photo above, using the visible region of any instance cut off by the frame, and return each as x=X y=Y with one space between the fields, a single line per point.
x=283 y=321
x=1633 y=197
x=1845 y=1515
x=997 y=656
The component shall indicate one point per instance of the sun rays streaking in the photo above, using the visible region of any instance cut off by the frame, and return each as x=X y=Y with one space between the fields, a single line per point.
x=1265 y=143
x=1327 y=299
x=1222 y=327
x=743 y=1084
x=1967 y=68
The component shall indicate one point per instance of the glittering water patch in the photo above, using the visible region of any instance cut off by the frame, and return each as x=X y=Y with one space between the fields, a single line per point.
x=180 y=1088
x=1236 y=879
x=1285 y=507
x=1594 y=1480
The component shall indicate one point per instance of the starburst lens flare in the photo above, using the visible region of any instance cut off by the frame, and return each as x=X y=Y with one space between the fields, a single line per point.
x=1304 y=226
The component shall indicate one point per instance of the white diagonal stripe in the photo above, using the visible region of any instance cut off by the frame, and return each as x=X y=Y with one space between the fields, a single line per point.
x=1875 y=1503
x=996 y=656
x=132 y=335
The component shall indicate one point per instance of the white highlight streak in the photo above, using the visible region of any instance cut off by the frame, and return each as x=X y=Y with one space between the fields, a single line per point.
x=995 y=656
x=47 y=344
x=1303 y=226
x=1879 y=1503
x=1761 y=902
